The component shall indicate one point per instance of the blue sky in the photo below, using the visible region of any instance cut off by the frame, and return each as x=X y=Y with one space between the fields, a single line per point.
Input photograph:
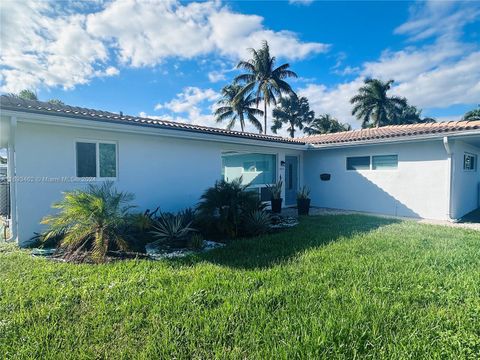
x=170 y=59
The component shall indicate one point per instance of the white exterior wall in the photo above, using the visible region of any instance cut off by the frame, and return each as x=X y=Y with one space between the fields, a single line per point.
x=161 y=171
x=465 y=184
x=418 y=188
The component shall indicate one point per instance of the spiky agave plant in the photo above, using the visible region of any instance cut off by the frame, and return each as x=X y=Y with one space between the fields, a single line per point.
x=174 y=229
x=93 y=220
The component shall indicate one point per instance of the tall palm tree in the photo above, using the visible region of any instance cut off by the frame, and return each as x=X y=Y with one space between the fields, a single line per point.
x=325 y=124
x=234 y=107
x=292 y=111
x=266 y=80
x=373 y=106
x=472 y=114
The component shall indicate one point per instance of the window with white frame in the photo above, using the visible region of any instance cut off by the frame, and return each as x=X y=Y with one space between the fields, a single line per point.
x=96 y=159
x=358 y=163
x=384 y=162
x=375 y=162
x=469 y=162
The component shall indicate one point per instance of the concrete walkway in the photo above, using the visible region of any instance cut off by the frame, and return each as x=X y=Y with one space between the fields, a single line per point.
x=327 y=211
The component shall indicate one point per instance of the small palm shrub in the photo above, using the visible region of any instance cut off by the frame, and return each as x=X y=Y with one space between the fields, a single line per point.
x=95 y=219
x=223 y=207
x=172 y=229
x=257 y=222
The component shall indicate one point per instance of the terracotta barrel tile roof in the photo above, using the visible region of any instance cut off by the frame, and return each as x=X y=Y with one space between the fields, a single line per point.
x=393 y=131
x=15 y=103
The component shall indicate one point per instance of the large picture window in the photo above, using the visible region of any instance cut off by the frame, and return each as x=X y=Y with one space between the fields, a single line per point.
x=255 y=169
x=96 y=159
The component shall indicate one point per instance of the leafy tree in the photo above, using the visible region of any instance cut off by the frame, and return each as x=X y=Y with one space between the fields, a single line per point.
x=56 y=102
x=373 y=106
x=292 y=111
x=28 y=94
x=410 y=115
x=264 y=79
x=234 y=107
x=472 y=114
x=223 y=207
x=94 y=219
x=325 y=124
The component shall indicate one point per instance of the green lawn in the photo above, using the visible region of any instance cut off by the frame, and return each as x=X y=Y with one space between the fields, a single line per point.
x=335 y=286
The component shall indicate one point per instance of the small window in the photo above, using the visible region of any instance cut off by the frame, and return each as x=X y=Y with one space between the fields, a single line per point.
x=108 y=160
x=381 y=162
x=86 y=159
x=95 y=159
x=358 y=163
x=469 y=162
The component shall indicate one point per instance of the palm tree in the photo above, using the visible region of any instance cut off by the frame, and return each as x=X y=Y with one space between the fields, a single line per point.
x=472 y=114
x=410 y=114
x=94 y=219
x=292 y=111
x=326 y=124
x=373 y=106
x=234 y=107
x=266 y=80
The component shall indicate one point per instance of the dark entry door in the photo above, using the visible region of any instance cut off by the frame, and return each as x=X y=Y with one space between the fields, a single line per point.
x=291 y=180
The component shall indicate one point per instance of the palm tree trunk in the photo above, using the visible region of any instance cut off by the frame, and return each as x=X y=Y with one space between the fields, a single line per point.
x=265 y=116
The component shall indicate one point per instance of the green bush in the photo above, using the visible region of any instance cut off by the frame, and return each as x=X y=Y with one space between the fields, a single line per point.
x=222 y=208
x=172 y=229
x=95 y=219
x=257 y=222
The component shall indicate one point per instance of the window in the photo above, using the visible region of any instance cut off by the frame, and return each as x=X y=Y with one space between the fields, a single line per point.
x=358 y=163
x=255 y=169
x=96 y=159
x=469 y=162
x=381 y=162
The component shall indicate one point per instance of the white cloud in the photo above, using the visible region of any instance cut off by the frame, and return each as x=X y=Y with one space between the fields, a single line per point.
x=443 y=19
x=37 y=49
x=44 y=45
x=189 y=99
x=437 y=75
x=216 y=76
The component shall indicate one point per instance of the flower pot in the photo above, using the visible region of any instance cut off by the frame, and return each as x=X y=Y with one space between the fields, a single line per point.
x=303 y=206
x=277 y=205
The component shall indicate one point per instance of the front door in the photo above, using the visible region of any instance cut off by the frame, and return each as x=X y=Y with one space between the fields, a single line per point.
x=291 y=180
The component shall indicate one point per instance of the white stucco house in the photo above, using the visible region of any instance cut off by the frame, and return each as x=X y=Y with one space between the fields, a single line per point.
x=424 y=170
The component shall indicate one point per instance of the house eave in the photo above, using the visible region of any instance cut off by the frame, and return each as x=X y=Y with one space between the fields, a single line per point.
x=143 y=129
x=397 y=140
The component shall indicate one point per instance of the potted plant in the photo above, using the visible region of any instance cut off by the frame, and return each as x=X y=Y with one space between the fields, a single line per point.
x=303 y=201
x=276 y=199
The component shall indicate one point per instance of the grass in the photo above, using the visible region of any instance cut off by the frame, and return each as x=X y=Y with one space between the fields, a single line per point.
x=334 y=287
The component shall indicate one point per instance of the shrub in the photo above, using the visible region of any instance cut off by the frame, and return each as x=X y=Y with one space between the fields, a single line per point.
x=95 y=219
x=172 y=229
x=196 y=242
x=222 y=208
x=257 y=222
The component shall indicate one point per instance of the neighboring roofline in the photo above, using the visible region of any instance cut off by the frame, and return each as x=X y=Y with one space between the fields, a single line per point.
x=143 y=129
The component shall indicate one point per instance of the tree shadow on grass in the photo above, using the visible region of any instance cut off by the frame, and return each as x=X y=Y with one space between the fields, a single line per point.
x=269 y=250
